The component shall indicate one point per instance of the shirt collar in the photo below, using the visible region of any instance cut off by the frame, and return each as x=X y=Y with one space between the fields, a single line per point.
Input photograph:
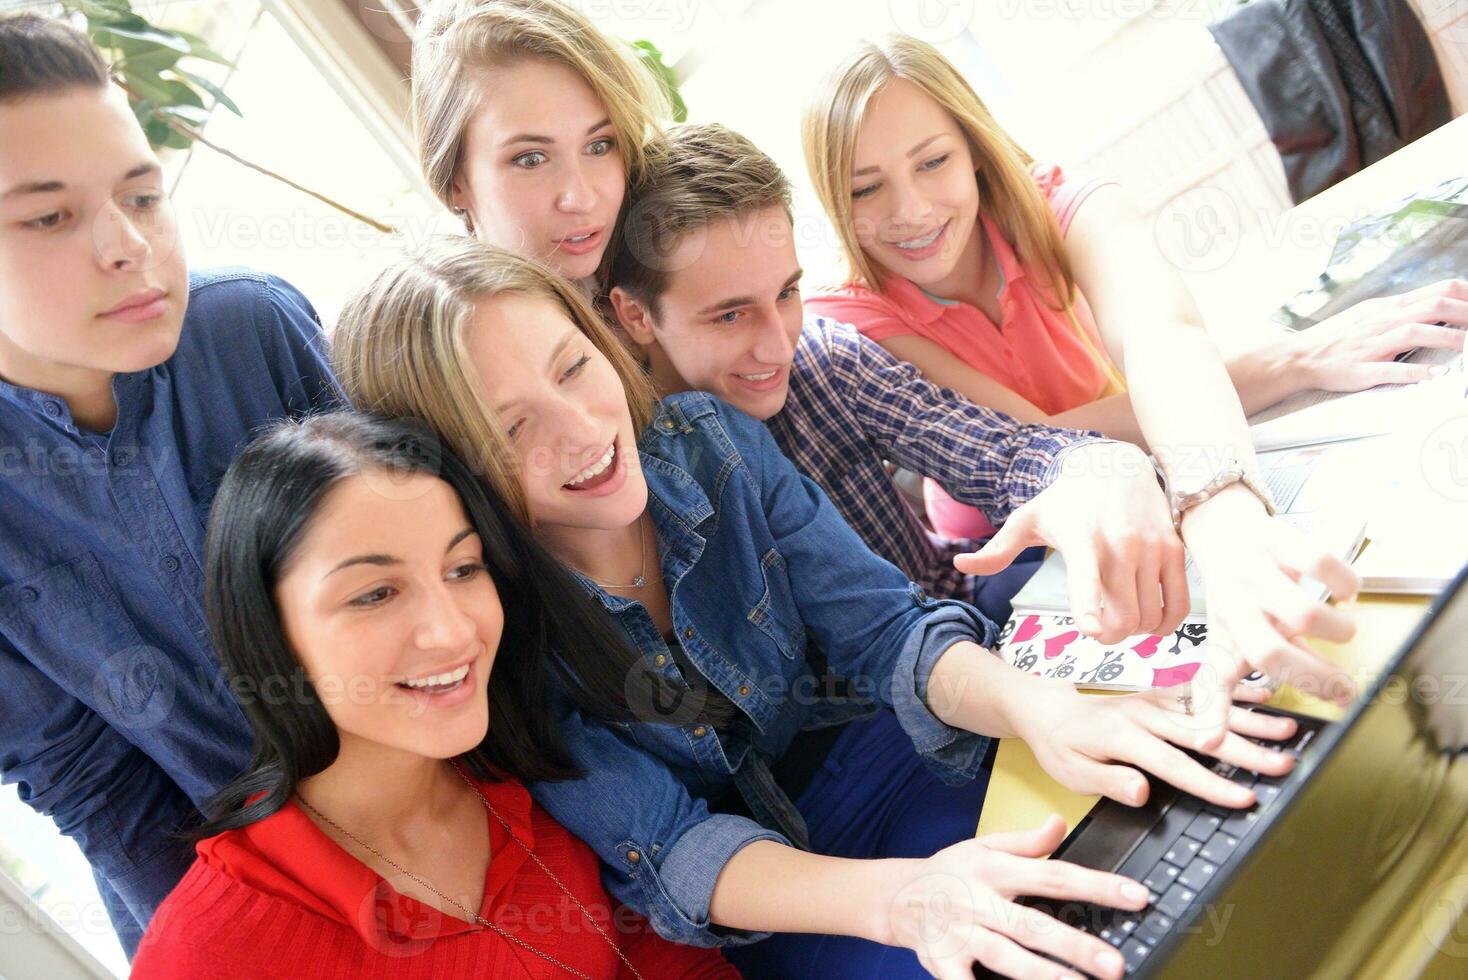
x=922 y=305
x=289 y=857
x=926 y=307
x=678 y=505
x=670 y=484
x=53 y=408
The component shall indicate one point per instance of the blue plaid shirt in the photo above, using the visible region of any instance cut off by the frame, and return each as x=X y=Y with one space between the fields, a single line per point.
x=853 y=407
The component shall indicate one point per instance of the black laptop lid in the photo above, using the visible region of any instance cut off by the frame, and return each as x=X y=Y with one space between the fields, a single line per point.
x=1360 y=824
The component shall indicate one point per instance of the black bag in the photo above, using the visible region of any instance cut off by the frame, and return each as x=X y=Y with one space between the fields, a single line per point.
x=1339 y=83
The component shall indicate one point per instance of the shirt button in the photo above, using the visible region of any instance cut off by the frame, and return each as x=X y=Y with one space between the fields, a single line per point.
x=660 y=660
x=170 y=563
x=633 y=856
x=53 y=409
x=700 y=732
x=122 y=457
x=29 y=594
x=688 y=633
x=744 y=690
x=668 y=424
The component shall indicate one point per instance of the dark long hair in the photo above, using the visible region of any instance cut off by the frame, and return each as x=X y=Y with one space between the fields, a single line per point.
x=264 y=507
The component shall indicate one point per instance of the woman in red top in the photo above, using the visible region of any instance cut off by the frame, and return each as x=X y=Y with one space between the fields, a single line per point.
x=361 y=587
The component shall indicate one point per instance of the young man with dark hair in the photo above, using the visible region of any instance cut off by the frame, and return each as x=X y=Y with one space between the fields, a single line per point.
x=127 y=385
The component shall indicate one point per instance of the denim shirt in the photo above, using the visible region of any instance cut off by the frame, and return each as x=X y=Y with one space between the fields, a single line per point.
x=114 y=717
x=761 y=570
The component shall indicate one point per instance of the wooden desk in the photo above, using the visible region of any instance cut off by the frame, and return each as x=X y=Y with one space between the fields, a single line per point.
x=1267 y=266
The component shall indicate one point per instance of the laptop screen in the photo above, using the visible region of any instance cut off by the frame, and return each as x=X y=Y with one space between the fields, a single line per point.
x=1368 y=837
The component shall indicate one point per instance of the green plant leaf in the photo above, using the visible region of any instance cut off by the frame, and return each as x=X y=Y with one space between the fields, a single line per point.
x=104 y=11
x=143 y=53
x=146 y=87
x=157 y=131
x=176 y=140
x=199 y=48
x=211 y=88
x=181 y=94
x=111 y=35
x=150 y=59
x=190 y=114
x=652 y=59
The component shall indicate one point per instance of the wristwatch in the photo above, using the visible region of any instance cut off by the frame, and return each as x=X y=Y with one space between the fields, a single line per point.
x=1186 y=493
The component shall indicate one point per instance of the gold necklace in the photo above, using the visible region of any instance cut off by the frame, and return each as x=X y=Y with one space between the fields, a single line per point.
x=475 y=916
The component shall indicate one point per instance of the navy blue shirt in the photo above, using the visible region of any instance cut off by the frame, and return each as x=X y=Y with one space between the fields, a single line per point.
x=114 y=717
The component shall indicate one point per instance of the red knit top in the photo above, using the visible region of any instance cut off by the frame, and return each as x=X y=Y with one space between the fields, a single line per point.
x=281 y=899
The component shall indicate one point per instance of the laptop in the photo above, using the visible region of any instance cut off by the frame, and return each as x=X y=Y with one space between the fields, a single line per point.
x=1308 y=881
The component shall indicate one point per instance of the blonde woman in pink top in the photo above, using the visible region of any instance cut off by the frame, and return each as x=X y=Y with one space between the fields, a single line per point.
x=1050 y=357
x=1037 y=296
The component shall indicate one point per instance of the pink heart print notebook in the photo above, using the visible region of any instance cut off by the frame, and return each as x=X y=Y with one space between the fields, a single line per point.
x=1050 y=646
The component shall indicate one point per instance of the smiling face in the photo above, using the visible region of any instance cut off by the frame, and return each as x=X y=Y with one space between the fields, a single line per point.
x=541 y=172
x=563 y=410
x=915 y=201
x=387 y=603
x=91 y=277
x=731 y=315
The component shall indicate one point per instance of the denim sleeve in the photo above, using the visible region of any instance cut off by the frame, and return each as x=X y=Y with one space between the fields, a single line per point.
x=982 y=457
x=97 y=787
x=661 y=849
x=876 y=628
x=298 y=349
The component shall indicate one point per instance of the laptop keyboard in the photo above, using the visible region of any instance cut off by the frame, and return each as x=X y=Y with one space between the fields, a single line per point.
x=1179 y=856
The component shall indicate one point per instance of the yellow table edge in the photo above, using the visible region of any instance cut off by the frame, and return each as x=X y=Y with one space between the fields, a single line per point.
x=1021 y=794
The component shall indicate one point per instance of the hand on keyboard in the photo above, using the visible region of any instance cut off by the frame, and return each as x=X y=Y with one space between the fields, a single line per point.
x=1189 y=845
x=1097 y=744
x=957 y=908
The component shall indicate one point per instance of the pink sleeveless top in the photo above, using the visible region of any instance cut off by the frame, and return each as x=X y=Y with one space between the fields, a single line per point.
x=1037 y=354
